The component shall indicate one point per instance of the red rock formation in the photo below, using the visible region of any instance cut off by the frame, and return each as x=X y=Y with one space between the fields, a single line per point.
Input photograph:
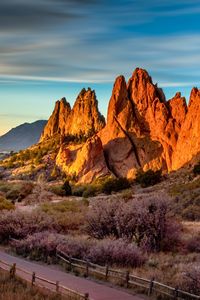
x=178 y=109
x=143 y=130
x=84 y=119
x=120 y=152
x=188 y=145
x=57 y=121
x=142 y=127
x=86 y=161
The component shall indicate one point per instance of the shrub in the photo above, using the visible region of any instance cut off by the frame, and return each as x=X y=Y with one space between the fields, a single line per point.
x=16 y=191
x=191 y=213
x=5 y=204
x=62 y=190
x=43 y=244
x=67 y=188
x=78 y=190
x=38 y=246
x=76 y=247
x=114 y=185
x=193 y=244
x=90 y=191
x=147 y=223
x=117 y=252
x=18 y=225
x=196 y=169
x=148 y=178
x=127 y=195
x=101 y=219
x=57 y=190
x=9 y=165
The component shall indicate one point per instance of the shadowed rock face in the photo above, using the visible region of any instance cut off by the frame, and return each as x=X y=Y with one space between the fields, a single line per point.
x=143 y=130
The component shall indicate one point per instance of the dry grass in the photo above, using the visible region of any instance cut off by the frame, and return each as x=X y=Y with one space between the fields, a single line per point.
x=168 y=268
x=18 y=289
x=192 y=228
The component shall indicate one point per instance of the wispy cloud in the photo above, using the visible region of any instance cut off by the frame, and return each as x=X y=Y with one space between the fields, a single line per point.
x=172 y=58
x=93 y=41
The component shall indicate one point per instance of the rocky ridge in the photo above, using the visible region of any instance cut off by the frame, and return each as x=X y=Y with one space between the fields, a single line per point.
x=83 y=119
x=143 y=130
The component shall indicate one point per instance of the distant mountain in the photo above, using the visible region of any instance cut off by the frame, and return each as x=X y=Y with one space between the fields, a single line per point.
x=22 y=136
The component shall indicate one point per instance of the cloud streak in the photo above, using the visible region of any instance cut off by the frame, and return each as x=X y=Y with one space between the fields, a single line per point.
x=93 y=41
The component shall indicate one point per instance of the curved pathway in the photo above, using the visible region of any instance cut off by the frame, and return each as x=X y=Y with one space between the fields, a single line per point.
x=97 y=291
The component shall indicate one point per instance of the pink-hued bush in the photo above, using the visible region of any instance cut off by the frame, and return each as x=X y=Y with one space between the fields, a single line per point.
x=19 y=225
x=116 y=252
x=43 y=244
x=148 y=223
x=39 y=246
x=76 y=247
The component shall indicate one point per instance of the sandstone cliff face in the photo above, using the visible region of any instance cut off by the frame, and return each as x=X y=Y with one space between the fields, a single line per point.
x=188 y=144
x=86 y=161
x=83 y=119
x=142 y=127
x=57 y=121
x=143 y=130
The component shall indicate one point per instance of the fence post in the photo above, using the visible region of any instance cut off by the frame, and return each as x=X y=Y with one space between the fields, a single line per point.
x=151 y=287
x=127 y=278
x=176 y=293
x=33 y=278
x=87 y=269
x=57 y=286
x=70 y=264
x=13 y=271
x=86 y=296
x=107 y=270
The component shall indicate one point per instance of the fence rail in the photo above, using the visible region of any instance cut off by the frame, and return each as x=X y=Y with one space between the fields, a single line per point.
x=125 y=278
x=41 y=281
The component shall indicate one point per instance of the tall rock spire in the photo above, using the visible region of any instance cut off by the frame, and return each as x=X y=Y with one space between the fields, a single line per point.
x=57 y=121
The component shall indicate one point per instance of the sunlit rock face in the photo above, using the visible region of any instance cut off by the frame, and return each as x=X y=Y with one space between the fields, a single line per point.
x=57 y=121
x=142 y=127
x=83 y=119
x=85 y=162
x=143 y=130
x=188 y=145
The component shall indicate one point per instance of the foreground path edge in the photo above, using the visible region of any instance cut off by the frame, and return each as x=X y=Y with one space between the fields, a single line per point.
x=97 y=291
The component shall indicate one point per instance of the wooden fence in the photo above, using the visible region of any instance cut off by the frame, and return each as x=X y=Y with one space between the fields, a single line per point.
x=42 y=282
x=126 y=279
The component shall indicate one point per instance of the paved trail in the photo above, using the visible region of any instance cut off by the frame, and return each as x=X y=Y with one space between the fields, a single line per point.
x=97 y=291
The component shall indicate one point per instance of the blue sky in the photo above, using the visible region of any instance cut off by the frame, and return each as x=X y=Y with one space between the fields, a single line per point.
x=54 y=48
